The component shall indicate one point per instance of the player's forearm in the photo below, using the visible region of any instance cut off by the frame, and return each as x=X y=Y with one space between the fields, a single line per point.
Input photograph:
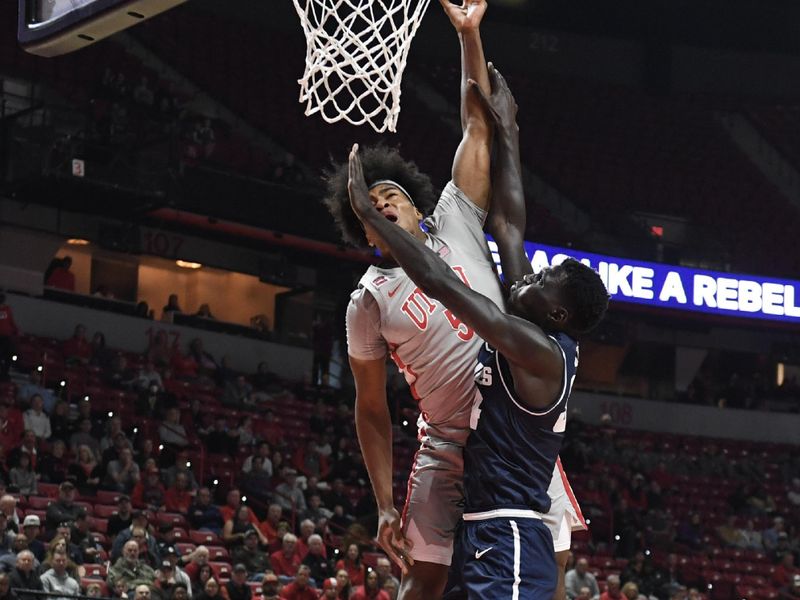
x=473 y=66
x=508 y=219
x=374 y=430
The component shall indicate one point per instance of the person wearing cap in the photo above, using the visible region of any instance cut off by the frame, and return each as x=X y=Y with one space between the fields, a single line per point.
x=300 y=588
x=165 y=581
x=250 y=555
x=129 y=568
x=286 y=560
x=31 y=527
x=63 y=509
x=122 y=518
x=170 y=554
x=64 y=530
x=139 y=531
x=288 y=494
x=57 y=580
x=237 y=587
x=82 y=537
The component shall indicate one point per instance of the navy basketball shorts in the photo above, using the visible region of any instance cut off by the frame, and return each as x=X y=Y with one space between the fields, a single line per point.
x=508 y=559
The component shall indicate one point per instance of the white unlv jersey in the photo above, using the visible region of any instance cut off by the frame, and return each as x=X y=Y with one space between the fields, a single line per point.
x=435 y=351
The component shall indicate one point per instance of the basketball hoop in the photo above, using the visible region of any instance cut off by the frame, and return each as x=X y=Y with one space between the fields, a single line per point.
x=355 y=57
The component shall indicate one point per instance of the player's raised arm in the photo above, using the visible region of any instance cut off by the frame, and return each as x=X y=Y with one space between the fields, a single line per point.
x=522 y=342
x=507 y=217
x=473 y=156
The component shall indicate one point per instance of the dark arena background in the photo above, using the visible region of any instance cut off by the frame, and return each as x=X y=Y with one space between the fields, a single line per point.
x=172 y=321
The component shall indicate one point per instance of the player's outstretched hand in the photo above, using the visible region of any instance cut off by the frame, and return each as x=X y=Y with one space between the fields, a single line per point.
x=392 y=539
x=466 y=17
x=357 y=186
x=500 y=105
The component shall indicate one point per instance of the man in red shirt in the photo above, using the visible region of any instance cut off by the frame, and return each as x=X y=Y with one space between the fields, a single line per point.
x=60 y=276
x=299 y=588
x=286 y=561
x=613 y=592
x=269 y=527
x=370 y=589
x=8 y=331
x=77 y=348
x=232 y=502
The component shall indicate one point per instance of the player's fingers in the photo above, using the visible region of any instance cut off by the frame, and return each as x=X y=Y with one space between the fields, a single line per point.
x=394 y=554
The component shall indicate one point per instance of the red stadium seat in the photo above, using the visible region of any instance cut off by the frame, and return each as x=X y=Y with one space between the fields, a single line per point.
x=48 y=489
x=38 y=502
x=106 y=497
x=204 y=537
x=104 y=511
x=95 y=570
x=222 y=570
x=218 y=554
x=185 y=547
x=87 y=581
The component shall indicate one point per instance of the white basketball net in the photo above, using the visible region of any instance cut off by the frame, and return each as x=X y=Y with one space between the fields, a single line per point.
x=355 y=57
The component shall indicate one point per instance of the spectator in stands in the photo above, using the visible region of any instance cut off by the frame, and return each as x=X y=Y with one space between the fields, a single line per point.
x=9 y=560
x=237 y=392
x=82 y=537
x=151 y=402
x=769 y=537
x=183 y=465
x=36 y=419
x=171 y=431
x=233 y=500
x=31 y=527
x=101 y=355
x=148 y=376
x=222 y=439
x=130 y=568
x=234 y=531
x=581 y=577
x=690 y=532
x=749 y=538
x=288 y=494
x=6 y=535
x=54 y=466
x=728 y=533
x=300 y=588
x=639 y=571
x=237 y=588
x=63 y=509
x=62 y=542
x=309 y=462
x=257 y=483
x=211 y=591
x=22 y=479
x=170 y=553
x=203 y=514
x=24 y=575
x=370 y=589
x=123 y=474
x=28 y=447
x=114 y=441
x=86 y=472
x=206 y=364
x=307 y=528
x=794 y=493
x=250 y=555
x=77 y=349
x=316 y=512
x=122 y=518
x=384 y=569
x=613 y=591
x=139 y=531
x=286 y=560
x=630 y=591
x=269 y=527
x=180 y=592
x=84 y=437
x=204 y=312
x=782 y=576
x=11 y=426
x=329 y=589
x=8 y=506
x=320 y=567
x=165 y=581
x=792 y=590
x=149 y=492
x=8 y=332
x=160 y=351
x=59 y=423
x=56 y=580
x=171 y=308
x=179 y=496
x=58 y=274
x=35 y=387
x=6 y=593
x=351 y=562
x=263 y=451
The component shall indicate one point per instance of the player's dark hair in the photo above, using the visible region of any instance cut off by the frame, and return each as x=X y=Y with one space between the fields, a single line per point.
x=379 y=162
x=585 y=295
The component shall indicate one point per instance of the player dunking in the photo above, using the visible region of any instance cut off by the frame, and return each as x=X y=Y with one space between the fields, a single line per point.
x=525 y=373
x=435 y=350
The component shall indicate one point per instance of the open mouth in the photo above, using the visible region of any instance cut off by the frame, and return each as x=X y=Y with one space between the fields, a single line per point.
x=391 y=217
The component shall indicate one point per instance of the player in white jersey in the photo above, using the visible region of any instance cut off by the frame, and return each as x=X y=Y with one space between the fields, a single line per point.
x=389 y=315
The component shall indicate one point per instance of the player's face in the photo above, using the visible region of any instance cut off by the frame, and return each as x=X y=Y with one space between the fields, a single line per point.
x=536 y=298
x=396 y=207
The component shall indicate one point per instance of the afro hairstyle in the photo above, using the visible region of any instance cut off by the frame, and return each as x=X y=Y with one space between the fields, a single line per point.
x=379 y=162
x=585 y=295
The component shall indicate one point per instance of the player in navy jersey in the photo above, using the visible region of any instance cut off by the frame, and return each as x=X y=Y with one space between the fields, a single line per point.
x=518 y=420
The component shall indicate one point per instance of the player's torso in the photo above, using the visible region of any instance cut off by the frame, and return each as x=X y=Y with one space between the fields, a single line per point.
x=511 y=453
x=435 y=351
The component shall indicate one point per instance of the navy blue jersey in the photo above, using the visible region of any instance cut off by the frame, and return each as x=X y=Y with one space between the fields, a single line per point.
x=512 y=449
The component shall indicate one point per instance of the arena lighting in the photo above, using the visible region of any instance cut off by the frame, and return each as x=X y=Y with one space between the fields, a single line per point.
x=405 y=423
x=679 y=288
x=86 y=398
x=244 y=498
x=216 y=482
x=110 y=414
x=616 y=537
x=135 y=430
x=780 y=374
x=63 y=383
x=40 y=368
x=14 y=358
x=588 y=521
x=78 y=242
x=185 y=264
x=188 y=464
x=161 y=446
